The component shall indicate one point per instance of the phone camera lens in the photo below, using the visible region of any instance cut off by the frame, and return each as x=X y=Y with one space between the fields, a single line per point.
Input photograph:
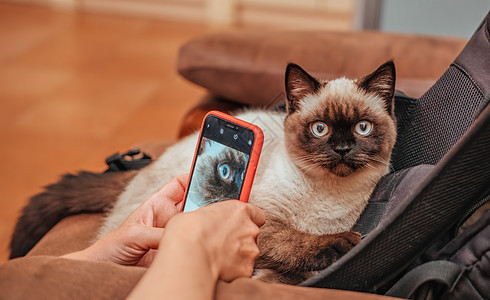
x=235 y=136
x=221 y=130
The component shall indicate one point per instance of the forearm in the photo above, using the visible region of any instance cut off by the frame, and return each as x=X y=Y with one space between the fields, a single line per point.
x=86 y=254
x=105 y=249
x=181 y=270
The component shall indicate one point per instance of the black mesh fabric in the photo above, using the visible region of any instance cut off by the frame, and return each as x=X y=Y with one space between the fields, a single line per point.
x=437 y=120
x=433 y=208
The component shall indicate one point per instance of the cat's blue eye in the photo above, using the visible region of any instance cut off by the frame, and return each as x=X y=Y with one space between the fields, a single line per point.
x=363 y=128
x=318 y=128
x=224 y=171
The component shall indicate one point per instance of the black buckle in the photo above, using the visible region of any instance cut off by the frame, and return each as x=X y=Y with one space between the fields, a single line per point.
x=127 y=161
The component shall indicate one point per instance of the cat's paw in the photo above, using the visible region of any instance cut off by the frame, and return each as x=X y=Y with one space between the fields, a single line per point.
x=272 y=276
x=334 y=247
x=345 y=241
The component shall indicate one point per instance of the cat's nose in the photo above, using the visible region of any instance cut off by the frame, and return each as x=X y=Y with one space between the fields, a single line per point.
x=342 y=150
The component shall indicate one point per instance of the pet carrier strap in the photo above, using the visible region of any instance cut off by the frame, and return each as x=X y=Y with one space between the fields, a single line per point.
x=127 y=161
x=370 y=217
x=441 y=272
x=388 y=192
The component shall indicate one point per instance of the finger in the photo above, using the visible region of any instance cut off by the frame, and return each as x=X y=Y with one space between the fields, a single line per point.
x=249 y=253
x=150 y=237
x=256 y=214
x=174 y=190
x=249 y=249
x=164 y=203
x=183 y=179
x=241 y=267
x=147 y=259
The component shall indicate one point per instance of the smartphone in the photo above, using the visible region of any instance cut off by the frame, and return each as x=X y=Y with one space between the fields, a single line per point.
x=225 y=160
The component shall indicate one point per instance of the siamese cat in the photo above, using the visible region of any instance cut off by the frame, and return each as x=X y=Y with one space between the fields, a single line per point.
x=219 y=174
x=320 y=163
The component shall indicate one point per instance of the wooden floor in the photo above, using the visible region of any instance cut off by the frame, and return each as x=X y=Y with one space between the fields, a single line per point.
x=74 y=88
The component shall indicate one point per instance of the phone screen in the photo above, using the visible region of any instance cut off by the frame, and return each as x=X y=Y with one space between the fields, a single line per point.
x=221 y=163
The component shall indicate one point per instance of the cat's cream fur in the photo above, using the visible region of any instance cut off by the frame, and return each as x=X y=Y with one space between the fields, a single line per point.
x=312 y=201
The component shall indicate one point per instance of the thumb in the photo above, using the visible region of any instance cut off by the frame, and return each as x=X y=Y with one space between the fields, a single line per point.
x=175 y=189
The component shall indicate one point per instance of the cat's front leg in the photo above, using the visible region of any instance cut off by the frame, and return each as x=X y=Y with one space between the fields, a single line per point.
x=272 y=276
x=290 y=252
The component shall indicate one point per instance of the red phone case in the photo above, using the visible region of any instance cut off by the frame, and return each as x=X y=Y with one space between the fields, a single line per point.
x=254 y=155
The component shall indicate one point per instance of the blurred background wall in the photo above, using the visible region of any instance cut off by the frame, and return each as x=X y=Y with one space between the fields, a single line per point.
x=321 y=14
x=435 y=17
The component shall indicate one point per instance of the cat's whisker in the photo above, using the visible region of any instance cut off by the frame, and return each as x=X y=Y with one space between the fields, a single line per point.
x=308 y=157
x=309 y=167
x=303 y=160
x=370 y=166
x=382 y=161
x=313 y=160
x=306 y=164
x=379 y=160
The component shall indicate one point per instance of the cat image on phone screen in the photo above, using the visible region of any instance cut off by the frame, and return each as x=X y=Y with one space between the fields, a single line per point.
x=218 y=175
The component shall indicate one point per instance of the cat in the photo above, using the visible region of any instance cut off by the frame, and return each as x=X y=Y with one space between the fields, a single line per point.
x=321 y=161
x=219 y=174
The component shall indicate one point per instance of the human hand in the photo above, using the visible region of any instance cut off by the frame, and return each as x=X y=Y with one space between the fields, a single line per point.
x=223 y=234
x=199 y=247
x=133 y=242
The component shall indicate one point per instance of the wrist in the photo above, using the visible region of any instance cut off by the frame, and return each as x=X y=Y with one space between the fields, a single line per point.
x=95 y=252
x=187 y=237
x=85 y=254
x=180 y=255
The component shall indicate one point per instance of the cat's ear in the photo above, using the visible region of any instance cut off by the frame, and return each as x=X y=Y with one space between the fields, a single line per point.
x=203 y=146
x=382 y=83
x=298 y=85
